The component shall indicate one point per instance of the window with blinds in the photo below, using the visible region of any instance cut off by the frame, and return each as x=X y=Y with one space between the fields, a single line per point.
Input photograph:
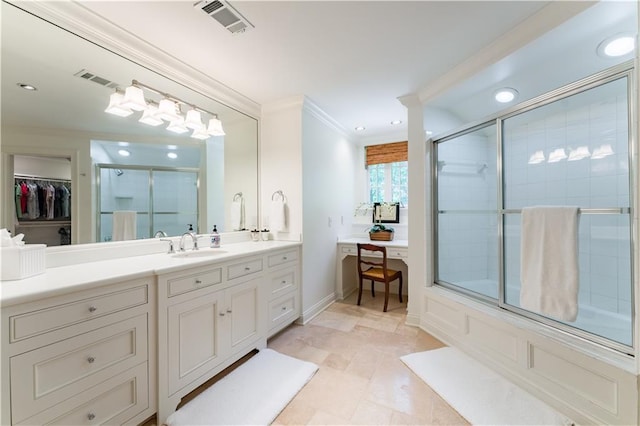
x=387 y=168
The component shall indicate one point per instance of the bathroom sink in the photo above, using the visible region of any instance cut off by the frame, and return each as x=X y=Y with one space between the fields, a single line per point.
x=199 y=253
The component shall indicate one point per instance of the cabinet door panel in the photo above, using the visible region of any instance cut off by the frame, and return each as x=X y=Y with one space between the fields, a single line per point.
x=244 y=313
x=195 y=341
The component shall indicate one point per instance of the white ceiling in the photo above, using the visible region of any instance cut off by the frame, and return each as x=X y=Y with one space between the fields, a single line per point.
x=352 y=58
x=355 y=58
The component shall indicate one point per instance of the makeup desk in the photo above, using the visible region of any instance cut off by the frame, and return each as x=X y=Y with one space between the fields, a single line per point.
x=347 y=268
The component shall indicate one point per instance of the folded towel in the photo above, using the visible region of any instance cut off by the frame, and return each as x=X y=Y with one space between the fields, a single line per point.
x=549 y=261
x=277 y=216
x=124 y=225
x=237 y=214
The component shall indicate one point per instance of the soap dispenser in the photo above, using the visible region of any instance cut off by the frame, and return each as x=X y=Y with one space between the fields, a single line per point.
x=215 y=238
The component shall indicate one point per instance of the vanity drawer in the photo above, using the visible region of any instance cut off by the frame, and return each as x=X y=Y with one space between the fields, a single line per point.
x=194 y=282
x=283 y=282
x=350 y=250
x=280 y=258
x=283 y=309
x=244 y=268
x=37 y=322
x=114 y=401
x=397 y=253
x=49 y=375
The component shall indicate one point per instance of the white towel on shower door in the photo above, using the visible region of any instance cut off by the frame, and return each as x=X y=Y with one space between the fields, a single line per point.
x=549 y=261
x=124 y=225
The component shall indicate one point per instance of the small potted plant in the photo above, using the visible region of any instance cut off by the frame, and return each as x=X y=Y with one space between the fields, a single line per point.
x=379 y=232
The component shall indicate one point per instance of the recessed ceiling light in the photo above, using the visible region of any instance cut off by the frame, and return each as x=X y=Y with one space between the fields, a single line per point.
x=172 y=155
x=505 y=95
x=27 y=87
x=428 y=132
x=618 y=45
x=124 y=153
x=360 y=128
x=123 y=143
x=172 y=146
x=395 y=122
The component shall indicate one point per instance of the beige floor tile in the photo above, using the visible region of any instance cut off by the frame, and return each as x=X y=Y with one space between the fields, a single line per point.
x=361 y=379
x=369 y=413
x=324 y=418
x=297 y=412
x=335 y=320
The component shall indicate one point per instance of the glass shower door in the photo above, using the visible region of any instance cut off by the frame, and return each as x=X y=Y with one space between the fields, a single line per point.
x=176 y=205
x=123 y=190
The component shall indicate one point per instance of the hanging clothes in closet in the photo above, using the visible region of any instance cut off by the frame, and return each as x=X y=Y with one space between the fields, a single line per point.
x=42 y=199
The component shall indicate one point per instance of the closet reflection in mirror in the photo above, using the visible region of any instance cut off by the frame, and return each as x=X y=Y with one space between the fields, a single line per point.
x=65 y=117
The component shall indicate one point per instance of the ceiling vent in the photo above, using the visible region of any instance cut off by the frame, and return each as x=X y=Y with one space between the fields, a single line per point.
x=87 y=75
x=225 y=14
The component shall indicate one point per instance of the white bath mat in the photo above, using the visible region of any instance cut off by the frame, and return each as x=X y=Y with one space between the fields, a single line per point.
x=479 y=394
x=252 y=394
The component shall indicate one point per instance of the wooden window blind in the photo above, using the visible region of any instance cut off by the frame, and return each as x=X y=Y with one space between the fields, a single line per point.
x=386 y=153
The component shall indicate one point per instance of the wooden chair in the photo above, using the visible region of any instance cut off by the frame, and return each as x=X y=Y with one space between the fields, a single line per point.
x=376 y=271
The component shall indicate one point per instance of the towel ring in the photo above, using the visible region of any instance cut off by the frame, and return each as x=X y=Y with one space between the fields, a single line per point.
x=278 y=192
x=237 y=195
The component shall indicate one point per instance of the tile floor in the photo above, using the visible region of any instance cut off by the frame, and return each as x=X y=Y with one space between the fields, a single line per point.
x=361 y=379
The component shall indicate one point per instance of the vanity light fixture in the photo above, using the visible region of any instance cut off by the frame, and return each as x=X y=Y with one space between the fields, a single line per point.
x=505 y=95
x=27 y=87
x=537 y=158
x=172 y=155
x=124 y=152
x=602 y=151
x=193 y=120
x=557 y=155
x=396 y=122
x=618 y=45
x=200 y=133
x=168 y=109
x=215 y=127
x=360 y=128
x=150 y=116
x=177 y=126
x=134 y=99
x=579 y=153
x=115 y=105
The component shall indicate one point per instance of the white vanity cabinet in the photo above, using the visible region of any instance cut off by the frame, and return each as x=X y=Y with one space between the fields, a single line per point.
x=283 y=287
x=80 y=358
x=207 y=328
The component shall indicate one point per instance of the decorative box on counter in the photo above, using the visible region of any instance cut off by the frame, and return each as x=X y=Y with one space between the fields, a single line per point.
x=20 y=262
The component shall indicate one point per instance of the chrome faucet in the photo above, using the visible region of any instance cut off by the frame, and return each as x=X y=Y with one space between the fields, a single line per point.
x=193 y=237
x=160 y=234
x=171 y=250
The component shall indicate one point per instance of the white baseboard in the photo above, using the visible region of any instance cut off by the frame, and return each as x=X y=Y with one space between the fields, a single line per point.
x=316 y=309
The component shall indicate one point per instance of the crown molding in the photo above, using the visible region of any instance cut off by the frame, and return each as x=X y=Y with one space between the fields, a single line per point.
x=292 y=102
x=312 y=108
x=77 y=19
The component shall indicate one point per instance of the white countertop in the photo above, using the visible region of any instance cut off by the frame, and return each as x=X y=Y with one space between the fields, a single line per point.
x=366 y=240
x=66 y=279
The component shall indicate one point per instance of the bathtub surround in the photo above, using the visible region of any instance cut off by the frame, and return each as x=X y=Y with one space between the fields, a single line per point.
x=479 y=394
x=549 y=265
x=253 y=394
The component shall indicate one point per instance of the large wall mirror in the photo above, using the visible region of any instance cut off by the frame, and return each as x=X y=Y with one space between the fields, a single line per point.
x=59 y=139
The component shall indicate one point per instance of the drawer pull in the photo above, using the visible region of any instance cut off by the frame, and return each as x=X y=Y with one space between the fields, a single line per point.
x=246 y=268
x=92 y=309
x=91 y=360
x=228 y=311
x=284 y=308
x=91 y=416
x=198 y=281
x=284 y=257
x=283 y=282
x=221 y=314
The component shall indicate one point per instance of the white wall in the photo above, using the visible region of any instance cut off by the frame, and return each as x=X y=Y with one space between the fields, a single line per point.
x=307 y=156
x=281 y=162
x=329 y=163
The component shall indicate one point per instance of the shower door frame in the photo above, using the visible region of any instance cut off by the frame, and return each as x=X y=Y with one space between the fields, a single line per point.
x=624 y=70
x=150 y=170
